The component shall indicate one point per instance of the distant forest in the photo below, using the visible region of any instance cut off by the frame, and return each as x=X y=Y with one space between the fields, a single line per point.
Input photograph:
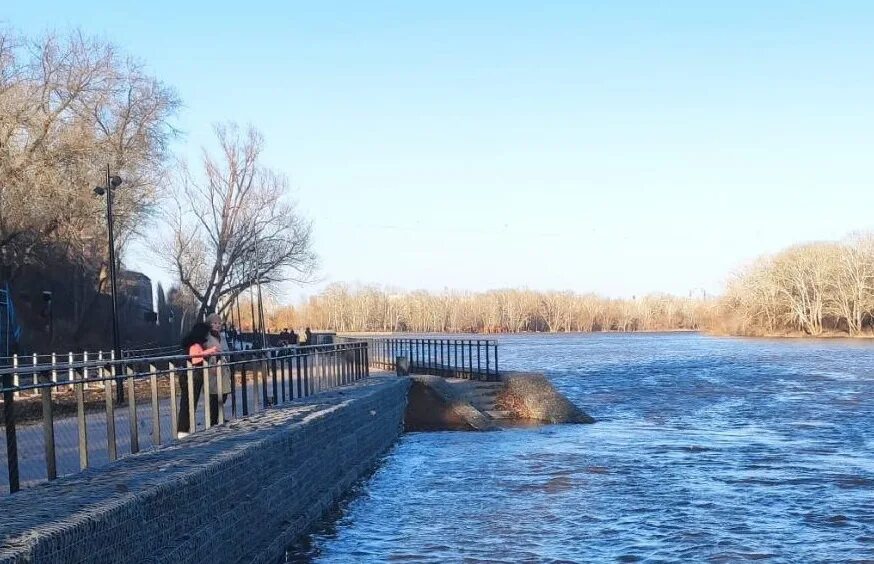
x=813 y=289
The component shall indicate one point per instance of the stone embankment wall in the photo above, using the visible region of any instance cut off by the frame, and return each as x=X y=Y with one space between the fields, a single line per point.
x=237 y=493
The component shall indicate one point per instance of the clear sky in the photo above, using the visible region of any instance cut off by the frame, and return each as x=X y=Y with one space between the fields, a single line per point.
x=616 y=147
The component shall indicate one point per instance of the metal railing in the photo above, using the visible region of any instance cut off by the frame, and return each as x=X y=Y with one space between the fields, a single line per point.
x=475 y=359
x=51 y=432
x=24 y=366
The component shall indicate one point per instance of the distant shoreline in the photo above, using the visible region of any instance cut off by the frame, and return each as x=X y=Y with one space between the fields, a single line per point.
x=706 y=332
x=643 y=331
x=795 y=336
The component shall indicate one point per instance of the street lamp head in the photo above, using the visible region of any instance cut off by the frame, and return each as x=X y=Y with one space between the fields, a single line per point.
x=99 y=190
x=115 y=181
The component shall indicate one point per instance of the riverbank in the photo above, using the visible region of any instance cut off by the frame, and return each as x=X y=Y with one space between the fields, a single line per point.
x=830 y=335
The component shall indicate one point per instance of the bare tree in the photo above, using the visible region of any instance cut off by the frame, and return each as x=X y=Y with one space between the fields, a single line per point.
x=851 y=288
x=68 y=107
x=365 y=308
x=234 y=226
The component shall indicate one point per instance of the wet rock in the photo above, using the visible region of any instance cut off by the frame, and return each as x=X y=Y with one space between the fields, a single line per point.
x=529 y=395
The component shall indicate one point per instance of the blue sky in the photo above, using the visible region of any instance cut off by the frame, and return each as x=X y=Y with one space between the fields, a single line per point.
x=615 y=147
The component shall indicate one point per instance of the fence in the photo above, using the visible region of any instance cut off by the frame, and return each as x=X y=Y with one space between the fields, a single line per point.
x=50 y=431
x=23 y=365
x=475 y=359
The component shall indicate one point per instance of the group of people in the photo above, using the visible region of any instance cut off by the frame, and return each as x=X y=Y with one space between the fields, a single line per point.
x=207 y=339
x=290 y=338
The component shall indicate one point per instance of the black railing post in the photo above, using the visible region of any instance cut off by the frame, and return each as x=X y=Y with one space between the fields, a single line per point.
x=232 y=366
x=272 y=358
x=457 y=365
x=299 y=379
x=48 y=427
x=498 y=374
x=366 y=361
x=306 y=374
x=244 y=386
x=110 y=411
x=11 y=436
x=282 y=379
x=265 y=374
x=470 y=357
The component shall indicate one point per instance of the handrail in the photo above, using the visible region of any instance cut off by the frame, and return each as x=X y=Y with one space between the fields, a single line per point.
x=26 y=369
x=170 y=385
x=475 y=359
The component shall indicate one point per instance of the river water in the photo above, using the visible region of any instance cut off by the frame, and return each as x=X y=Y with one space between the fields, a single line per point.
x=706 y=449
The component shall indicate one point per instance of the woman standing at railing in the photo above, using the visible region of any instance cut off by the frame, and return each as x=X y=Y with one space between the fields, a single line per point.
x=195 y=343
x=216 y=339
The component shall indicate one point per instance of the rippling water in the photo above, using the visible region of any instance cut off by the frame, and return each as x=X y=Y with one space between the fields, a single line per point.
x=705 y=449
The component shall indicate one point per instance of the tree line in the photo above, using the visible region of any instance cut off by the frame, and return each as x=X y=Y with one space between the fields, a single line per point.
x=371 y=308
x=813 y=289
x=72 y=106
x=810 y=289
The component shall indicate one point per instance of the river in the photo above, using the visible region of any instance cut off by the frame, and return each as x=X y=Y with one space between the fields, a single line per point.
x=705 y=449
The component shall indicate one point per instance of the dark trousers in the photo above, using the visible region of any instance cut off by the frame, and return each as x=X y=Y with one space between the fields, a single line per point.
x=184 y=421
x=214 y=406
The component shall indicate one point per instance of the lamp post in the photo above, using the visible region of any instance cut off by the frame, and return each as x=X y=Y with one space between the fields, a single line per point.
x=112 y=182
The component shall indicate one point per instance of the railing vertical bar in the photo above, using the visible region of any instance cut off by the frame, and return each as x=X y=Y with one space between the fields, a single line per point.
x=299 y=379
x=71 y=373
x=272 y=357
x=208 y=366
x=366 y=361
x=478 y=361
x=220 y=389
x=497 y=373
x=262 y=377
x=461 y=366
x=132 y=411
x=318 y=361
x=15 y=381
x=192 y=407
x=244 y=386
x=110 y=409
x=289 y=373
x=156 y=406
x=470 y=358
x=11 y=435
x=282 y=377
x=232 y=367
x=174 y=415
x=48 y=427
x=80 y=419
x=335 y=376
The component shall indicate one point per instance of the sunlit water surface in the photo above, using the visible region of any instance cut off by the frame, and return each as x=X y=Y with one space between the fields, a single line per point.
x=705 y=449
